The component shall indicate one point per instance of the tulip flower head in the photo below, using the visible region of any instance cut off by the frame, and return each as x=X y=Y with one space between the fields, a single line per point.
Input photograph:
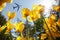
x=38 y=8
x=3 y=3
x=19 y=27
x=2 y=6
x=11 y=15
x=2 y=28
x=34 y=16
x=43 y=36
x=25 y=12
x=56 y=8
x=20 y=38
x=53 y=16
x=9 y=26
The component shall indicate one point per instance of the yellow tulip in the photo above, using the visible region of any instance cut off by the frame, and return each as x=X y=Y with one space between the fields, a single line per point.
x=58 y=22
x=45 y=27
x=53 y=16
x=7 y=1
x=43 y=36
x=2 y=6
x=11 y=15
x=9 y=26
x=34 y=16
x=38 y=8
x=35 y=7
x=2 y=28
x=49 y=21
x=30 y=38
x=3 y=3
x=51 y=24
x=56 y=8
x=19 y=27
x=25 y=12
x=20 y=38
x=7 y=32
x=47 y=32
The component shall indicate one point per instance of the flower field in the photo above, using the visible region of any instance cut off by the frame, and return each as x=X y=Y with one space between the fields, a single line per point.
x=43 y=28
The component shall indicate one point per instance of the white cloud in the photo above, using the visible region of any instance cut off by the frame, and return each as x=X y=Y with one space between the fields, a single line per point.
x=48 y=5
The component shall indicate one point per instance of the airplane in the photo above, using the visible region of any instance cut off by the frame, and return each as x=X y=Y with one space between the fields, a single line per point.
x=17 y=6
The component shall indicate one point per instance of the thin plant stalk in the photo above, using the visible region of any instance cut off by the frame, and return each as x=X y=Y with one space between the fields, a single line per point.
x=21 y=35
x=35 y=29
x=11 y=38
x=27 y=29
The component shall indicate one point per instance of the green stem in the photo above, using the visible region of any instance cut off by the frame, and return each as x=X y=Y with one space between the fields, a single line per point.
x=40 y=35
x=35 y=30
x=35 y=27
x=11 y=38
x=5 y=37
x=21 y=35
x=27 y=30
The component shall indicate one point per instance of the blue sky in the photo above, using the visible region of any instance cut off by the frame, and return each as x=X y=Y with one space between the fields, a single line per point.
x=26 y=4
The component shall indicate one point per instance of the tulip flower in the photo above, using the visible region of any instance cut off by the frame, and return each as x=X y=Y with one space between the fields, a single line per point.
x=56 y=8
x=38 y=8
x=34 y=16
x=49 y=21
x=43 y=36
x=7 y=32
x=11 y=15
x=19 y=27
x=2 y=28
x=9 y=26
x=25 y=12
x=2 y=6
x=53 y=16
x=52 y=27
x=30 y=38
x=3 y=3
x=20 y=38
x=51 y=24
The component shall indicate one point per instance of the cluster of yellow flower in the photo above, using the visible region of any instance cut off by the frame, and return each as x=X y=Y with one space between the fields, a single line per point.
x=51 y=23
x=8 y=24
x=34 y=14
x=18 y=26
